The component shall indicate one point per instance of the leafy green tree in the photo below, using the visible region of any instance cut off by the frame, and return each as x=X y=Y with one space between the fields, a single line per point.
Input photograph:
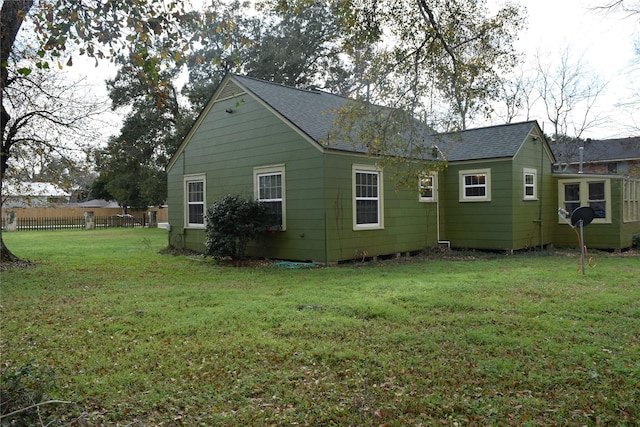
x=129 y=175
x=296 y=48
x=436 y=64
x=132 y=165
x=302 y=48
x=444 y=53
x=228 y=42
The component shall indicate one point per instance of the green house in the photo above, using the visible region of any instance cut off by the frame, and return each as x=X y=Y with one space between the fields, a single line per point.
x=269 y=142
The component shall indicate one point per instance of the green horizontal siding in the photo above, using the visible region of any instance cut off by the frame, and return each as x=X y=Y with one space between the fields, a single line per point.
x=478 y=224
x=616 y=235
x=227 y=147
x=533 y=220
x=408 y=224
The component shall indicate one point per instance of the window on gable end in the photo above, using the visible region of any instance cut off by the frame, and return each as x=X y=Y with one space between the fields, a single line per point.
x=530 y=179
x=269 y=188
x=195 y=199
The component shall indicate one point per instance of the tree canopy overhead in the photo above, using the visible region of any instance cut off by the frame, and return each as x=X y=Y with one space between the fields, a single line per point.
x=433 y=64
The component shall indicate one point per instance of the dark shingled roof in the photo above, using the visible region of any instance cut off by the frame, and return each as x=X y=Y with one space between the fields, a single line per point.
x=606 y=150
x=485 y=143
x=313 y=112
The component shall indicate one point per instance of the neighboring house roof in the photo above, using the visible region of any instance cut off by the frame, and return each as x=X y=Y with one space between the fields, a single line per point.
x=96 y=203
x=605 y=150
x=32 y=194
x=313 y=113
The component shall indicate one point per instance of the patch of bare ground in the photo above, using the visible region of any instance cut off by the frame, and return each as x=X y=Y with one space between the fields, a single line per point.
x=20 y=264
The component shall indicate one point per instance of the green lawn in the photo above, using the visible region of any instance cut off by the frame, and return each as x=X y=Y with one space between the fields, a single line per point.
x=134 y=337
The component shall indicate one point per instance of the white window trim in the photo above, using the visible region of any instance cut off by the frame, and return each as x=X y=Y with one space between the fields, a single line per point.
x=270 y=170
x=434 y=187
x=462 y=194
x=194 y=178
x=367 y=169
x=631 y=200
x=525 y=172
x=584 y=196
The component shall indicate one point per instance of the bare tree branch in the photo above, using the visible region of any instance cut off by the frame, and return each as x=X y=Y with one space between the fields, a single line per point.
x=37 y=405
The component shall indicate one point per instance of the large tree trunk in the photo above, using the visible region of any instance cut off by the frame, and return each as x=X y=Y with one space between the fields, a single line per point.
x=11 y=17
x=5 y=254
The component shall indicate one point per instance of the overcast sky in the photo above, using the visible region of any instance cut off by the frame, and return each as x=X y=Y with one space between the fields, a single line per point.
x=605 y=41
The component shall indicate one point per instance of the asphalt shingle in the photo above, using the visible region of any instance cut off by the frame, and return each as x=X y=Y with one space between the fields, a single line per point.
x=313 y=112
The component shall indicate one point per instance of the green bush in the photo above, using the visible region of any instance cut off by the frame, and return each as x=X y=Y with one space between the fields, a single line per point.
x=635 y=241
x=234 y=221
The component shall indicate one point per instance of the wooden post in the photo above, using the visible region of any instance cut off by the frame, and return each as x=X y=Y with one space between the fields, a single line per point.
x=89 y=220
x=11 y=220
x=153 y=219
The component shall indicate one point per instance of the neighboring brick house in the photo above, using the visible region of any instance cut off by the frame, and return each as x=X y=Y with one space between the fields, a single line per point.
x=619 y=156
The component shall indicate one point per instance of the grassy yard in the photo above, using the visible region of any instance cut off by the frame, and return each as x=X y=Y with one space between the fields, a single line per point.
x=134 y=337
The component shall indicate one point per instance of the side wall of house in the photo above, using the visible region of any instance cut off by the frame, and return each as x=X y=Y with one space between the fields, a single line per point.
x=226 y=148
x=534 y=217
x=409 y=224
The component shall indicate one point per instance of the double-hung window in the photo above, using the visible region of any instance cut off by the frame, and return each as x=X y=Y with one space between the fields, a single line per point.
x=475 y=185
x=269 y=187
x=529 y=176
x=195 y=197
x=427 y=188
x=367 y=197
